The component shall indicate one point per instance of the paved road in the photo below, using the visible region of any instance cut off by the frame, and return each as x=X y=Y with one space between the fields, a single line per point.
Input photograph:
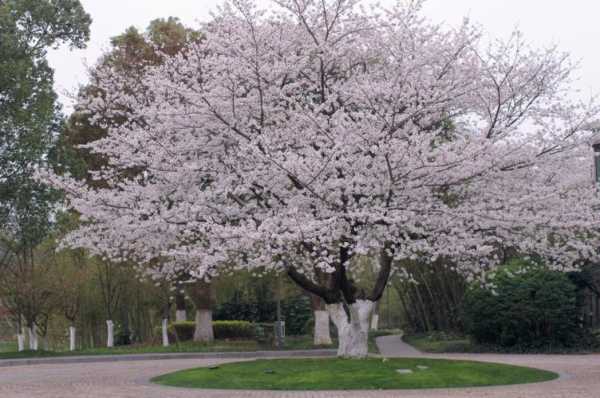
x=394 y=346
x=130 y=380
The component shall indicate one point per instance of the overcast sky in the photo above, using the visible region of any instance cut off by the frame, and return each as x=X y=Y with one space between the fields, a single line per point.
x=573 y=25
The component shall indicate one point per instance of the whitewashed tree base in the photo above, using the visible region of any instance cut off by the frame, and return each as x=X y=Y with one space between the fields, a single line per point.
x=375 y=322
x=110 y=330
x=353 y=333
x=165 y=332
x=21 y=342
x=180 y=316
x=72 y=338
x=322 y=335
x=33 y=338
x=204 y=329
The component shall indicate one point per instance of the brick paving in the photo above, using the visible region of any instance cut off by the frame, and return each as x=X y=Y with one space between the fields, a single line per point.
x=580 y=379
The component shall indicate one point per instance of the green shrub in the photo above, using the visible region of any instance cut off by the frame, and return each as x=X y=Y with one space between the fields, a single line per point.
x=184 y=331
x=529 y=307
x=234 y=330
x=296 y=312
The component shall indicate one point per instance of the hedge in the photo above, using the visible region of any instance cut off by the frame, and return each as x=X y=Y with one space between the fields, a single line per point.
x=296 y=312
x=184 y=331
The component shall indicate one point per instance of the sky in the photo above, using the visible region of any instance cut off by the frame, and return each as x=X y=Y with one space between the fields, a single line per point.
x=572 y=25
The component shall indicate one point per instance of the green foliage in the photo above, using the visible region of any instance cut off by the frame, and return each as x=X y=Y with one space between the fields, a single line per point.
x=528 y=307
x=296 y=312
x=345 y=374
x=38 y=24
x=130 y=53
x=184 y=331
x=234 y=330
x=431 y=298
x=29 y=116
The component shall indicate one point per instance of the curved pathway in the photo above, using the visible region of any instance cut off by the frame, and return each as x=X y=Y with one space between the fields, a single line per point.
x=581 y=379
x=394 y=346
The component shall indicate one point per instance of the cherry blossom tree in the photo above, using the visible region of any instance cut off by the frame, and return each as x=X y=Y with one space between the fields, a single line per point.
x=303 y=137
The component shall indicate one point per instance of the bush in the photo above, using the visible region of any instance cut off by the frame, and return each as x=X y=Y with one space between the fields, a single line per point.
x=184 y=331
x=234 y=330
x=528 y=308
x=296 y=312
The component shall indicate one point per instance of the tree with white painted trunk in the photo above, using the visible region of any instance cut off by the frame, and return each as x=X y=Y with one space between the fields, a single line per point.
x=32 y=334
x=70 y=284
x=303 y=138
x=321 y=332
x=375 y=317
x=27 y=292
x=111 y=288
x=203 y=296
x=166 y=310
x=20 y=341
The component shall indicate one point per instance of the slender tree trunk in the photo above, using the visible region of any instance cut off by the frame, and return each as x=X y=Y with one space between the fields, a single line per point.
x=202 y=294
x=20 y=335
x=33 y=337
x=20 y=341
x=322 y=334
x=165 y=332
x=353 y=328
x=72 y=338
x=375 y=317
x=110 y=337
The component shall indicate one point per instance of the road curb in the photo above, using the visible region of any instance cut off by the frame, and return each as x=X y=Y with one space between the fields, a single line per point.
x=165 y=356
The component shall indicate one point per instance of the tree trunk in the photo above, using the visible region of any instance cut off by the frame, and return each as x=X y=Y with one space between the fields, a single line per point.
x=180 y=316
x=165 y=332
x=21 y=341
x=375 y=322
x=375 y=317
x=202 y=294
x=72 y=338
x=321 y=335
x=352 y=319
x=180 y=310
x=110 y=338
x=353 y=330
x=33 y=338
x=204 y=330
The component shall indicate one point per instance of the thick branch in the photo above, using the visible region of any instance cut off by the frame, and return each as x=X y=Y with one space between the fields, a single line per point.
x=328 y=295
x=385 y=268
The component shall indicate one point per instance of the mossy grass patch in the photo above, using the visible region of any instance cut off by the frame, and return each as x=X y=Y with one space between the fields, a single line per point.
x=349 y=374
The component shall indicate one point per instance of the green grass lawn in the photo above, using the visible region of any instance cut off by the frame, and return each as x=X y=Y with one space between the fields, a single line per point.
x=8 y=350
x=345 y=374
x=6 y=346
x=291 y=343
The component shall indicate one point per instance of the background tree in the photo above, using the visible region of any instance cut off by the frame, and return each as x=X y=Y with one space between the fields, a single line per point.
x=29 y=122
